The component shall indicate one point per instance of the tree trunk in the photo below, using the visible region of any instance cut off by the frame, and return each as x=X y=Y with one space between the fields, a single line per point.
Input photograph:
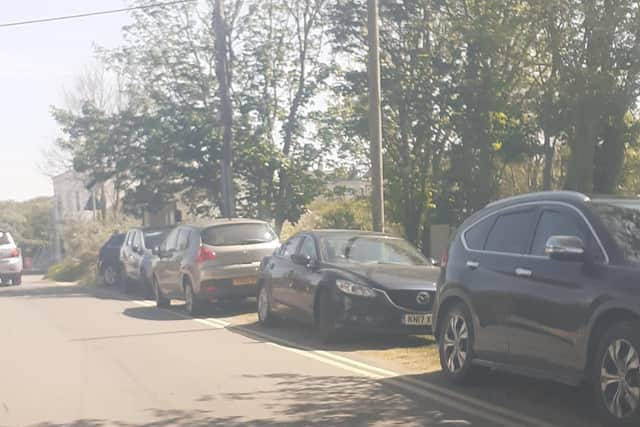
x=581 y=160
x=548 y=162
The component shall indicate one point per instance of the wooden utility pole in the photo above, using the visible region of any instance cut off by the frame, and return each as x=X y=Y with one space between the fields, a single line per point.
x=375 y=118
x=222 y=73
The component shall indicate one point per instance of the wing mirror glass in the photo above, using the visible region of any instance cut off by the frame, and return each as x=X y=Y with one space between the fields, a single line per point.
x=565 y=248
x=304 y=260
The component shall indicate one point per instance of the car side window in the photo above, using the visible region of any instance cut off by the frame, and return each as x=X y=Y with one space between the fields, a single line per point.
x=137 y=241
x=172 y=240
x=308 y=248
x=290 y=247
x=183 y=240
x=557 y=222
x=476 y=235
x=129 y=239
x=511 y=232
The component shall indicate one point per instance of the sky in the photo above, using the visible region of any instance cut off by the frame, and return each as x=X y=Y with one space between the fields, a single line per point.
x=37 y=62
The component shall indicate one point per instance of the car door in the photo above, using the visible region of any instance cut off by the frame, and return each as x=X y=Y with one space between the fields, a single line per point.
x=126 y=252
x=175 y=263
x=281 y=272
x=162 y=269
x=551 y=303
x=305 y=279
x=496 y=244
x=136 y=255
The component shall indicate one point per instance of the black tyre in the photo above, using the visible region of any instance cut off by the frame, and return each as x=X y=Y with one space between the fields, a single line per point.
x=17 y=280
x=111 y=275
x=616 y=375
x=325 y=319
x=265 y=311
x=192 y=303
x=161 y=300
x=455 y=343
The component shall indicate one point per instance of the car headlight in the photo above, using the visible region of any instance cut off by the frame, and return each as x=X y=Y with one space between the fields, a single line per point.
x=351 y=288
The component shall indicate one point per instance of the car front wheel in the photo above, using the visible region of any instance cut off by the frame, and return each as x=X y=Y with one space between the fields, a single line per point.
x=325 y=320
x=110 y=275
x=455 y=344
x=616 y=373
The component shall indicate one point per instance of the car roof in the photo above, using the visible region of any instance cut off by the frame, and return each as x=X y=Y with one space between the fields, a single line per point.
x=227 y=221
x=334 y=231
x=541 y=196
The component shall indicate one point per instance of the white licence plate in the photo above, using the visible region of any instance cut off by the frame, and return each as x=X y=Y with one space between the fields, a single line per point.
x=417 y=319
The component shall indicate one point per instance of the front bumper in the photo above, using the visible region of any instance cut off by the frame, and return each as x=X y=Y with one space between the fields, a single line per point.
x=229 y=281
x=10 y=266
x=377 y=315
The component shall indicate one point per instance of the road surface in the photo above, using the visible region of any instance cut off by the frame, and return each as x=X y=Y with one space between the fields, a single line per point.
x=71 y=356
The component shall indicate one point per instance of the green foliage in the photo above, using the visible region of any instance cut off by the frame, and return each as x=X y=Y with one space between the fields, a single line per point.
x=28 y=222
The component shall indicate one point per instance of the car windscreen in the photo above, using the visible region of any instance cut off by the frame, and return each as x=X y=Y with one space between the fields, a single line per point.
x=154 y=238
x=370 y=249
x=622 y=221
x=238 y=234
x=5 y=238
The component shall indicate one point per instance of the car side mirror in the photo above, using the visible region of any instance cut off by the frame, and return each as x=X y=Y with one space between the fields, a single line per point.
x=565 y=248
x=304 y=260
x=136 y=249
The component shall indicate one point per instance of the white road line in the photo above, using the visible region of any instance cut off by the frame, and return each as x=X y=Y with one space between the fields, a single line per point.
x=469 y=405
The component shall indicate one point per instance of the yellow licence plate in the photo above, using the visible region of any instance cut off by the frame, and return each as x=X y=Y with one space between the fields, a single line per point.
x=250 y=280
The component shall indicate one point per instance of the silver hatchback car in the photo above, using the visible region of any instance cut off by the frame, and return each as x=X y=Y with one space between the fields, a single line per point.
x=217 y=262
x=10 y=260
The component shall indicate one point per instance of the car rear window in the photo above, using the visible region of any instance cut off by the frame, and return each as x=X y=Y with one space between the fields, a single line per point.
x=476 y=235
x=5 y=238
x=116 y=241
x=154 y=238
x=238 y=234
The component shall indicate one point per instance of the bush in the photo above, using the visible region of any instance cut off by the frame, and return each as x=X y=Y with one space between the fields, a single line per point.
x=83 y=240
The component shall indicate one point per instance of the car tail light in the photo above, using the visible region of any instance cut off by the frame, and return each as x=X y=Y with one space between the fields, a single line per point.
x=14 y=253
x=206 y=254
x=444 y=258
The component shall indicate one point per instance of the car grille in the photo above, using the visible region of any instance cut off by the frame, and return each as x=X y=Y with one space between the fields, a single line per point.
x=407 y=299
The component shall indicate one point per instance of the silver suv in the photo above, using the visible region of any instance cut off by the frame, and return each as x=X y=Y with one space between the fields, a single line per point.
x=10 y=260
x=217 y=262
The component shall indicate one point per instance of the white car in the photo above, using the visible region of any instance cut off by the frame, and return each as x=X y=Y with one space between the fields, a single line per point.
x=10 y=260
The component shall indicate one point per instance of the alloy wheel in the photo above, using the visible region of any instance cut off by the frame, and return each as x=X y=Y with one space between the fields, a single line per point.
x=620 y=378
x=456 y=343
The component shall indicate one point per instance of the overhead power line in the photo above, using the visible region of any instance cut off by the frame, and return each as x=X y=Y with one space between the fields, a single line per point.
x=88 y=14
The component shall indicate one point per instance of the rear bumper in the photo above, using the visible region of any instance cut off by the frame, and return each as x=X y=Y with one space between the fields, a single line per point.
x=10 y=266
x=218 y=282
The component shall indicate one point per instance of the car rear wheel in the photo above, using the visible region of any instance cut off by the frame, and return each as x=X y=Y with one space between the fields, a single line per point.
x=17 y=280
x=192 y=303
x=616 y=373
x=456 y=344
x=161 y=300
x=265 y=313
x=110 y=275
x=325 y=320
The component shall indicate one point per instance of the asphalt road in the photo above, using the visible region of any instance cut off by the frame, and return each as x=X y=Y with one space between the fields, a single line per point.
x=71 y=356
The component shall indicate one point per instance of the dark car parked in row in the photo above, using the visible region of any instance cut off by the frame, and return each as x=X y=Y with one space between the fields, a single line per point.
x=214 y=262
x=548 y=285
x=349 y=279
x=109 y=259
x=136 y=255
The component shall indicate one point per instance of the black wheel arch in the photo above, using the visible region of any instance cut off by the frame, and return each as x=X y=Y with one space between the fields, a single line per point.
x=448 y=299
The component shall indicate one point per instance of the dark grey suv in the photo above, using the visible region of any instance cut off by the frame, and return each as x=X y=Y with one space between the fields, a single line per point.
x=547 y=285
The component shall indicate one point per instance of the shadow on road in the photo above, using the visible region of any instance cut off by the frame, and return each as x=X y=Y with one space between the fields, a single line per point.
x=152 y=313
x=287 y=399
x=57 y=291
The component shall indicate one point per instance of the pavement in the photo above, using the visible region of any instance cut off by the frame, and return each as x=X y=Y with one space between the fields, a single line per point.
x=75 y=356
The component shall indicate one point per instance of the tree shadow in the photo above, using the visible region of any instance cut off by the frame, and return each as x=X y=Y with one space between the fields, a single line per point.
x=57 y=291
x=152 y=313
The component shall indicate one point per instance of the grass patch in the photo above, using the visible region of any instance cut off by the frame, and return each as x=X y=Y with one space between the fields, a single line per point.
x=71 y=269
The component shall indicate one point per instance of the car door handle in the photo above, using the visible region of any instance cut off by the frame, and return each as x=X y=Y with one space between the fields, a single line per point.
x=473 y=264
x=523 y=272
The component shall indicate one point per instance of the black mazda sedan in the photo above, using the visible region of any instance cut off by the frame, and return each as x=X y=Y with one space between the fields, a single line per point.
x=548 y=285
x=341 y=279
